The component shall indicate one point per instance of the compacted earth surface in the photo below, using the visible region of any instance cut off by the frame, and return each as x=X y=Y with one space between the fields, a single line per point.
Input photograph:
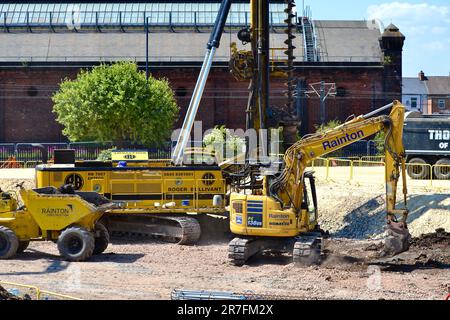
x=351 y=266
x=152 y=270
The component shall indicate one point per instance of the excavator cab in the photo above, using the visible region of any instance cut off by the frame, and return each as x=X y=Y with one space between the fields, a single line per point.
x=267 y=226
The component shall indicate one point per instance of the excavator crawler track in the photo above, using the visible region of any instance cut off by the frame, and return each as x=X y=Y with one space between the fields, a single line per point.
x=242 y=249
x=307 y=250
x=239 y=251
x=178 y=229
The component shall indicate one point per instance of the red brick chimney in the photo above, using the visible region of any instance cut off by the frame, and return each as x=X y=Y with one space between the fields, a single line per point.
x=422 y=76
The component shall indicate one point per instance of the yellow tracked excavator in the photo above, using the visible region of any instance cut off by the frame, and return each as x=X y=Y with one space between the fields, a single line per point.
x=282 y=214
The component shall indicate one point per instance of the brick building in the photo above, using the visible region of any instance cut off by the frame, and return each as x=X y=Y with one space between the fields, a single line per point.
x=427 y=94
x=42 y=44
x=438 y=95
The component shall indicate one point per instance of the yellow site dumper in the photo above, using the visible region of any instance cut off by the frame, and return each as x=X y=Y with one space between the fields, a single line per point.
x=71 y=219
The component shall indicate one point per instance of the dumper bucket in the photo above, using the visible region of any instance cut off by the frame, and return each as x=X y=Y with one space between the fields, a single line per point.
x=54 y=211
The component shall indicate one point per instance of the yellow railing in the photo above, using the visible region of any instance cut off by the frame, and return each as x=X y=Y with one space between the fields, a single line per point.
x=363 y=171
x=37 y=293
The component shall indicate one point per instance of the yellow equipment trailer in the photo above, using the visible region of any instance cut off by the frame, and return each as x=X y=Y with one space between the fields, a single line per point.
x=70 y=220
x=154 y=201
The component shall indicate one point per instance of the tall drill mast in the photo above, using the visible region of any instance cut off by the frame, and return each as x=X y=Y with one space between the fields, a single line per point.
x=253 y=65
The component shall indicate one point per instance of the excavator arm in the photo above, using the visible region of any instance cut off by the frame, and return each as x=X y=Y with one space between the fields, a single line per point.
x=287 y=188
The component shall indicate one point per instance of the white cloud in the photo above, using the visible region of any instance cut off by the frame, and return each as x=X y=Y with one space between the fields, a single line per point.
x=439 y=30
x=427 y=30
x=435 y=45
x=413 y=19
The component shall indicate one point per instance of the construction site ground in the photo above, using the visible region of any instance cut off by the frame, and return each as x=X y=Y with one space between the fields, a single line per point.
x=351 y=266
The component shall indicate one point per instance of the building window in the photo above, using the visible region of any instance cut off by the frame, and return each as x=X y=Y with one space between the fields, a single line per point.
x=413 y=103
x=441 y=104
x=341 y=92
x=32 y=91
x=181 y=92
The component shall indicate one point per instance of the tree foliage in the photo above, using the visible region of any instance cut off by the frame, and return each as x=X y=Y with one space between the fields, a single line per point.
x=379 y=139
x=322 y=128
x=223 y=141
x=115 y=103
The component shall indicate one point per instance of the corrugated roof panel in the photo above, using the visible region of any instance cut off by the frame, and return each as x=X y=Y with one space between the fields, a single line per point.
x=132 y=13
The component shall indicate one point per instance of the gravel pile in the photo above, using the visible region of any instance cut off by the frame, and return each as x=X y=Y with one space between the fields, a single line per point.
x=10 y=184
x=358 y=212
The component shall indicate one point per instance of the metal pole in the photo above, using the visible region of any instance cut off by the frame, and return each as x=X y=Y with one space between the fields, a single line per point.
x=373 y=96
x=185 y=133
x=146 y=49
x=371 y=114
x=213 y=44
x=322 y=101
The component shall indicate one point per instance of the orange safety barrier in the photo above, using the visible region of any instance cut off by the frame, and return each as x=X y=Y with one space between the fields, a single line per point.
x=11 y=163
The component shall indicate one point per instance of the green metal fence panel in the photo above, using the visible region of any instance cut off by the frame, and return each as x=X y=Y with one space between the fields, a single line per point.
x=89 y=150
x=6 y=151
x=30 y=152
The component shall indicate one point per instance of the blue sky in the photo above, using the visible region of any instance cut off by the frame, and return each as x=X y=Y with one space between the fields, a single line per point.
x=426 y=25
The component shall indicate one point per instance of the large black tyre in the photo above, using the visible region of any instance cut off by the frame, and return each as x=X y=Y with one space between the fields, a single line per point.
x=442 y=169
x=23 y=245
x=101 y=238
x=418 y=168
x=76 y=244
x=8 y=243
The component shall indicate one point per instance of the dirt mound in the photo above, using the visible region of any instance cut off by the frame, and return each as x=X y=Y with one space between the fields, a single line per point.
x=429 y=240
x=431 y=250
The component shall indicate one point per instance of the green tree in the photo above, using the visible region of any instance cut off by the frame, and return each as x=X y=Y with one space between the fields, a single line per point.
x=224 y=142
x=379 y=139
x=116 y=103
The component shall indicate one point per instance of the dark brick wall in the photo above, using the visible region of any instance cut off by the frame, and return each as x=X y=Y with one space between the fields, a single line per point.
x=26 y=105
x=361 y=90
x=27 y=117
x=225 y=99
